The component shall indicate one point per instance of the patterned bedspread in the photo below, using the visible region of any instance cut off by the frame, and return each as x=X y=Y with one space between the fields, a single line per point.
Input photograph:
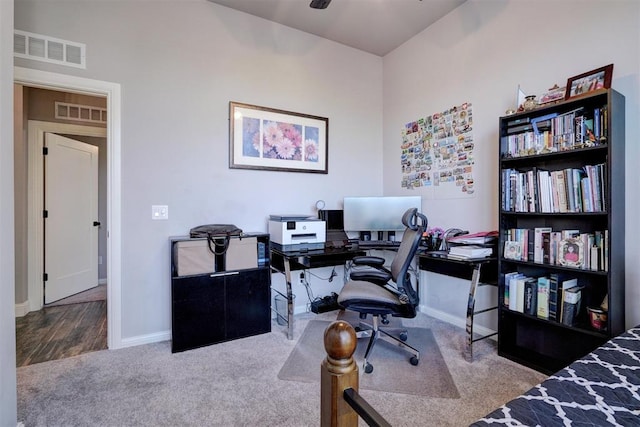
x=601 y=389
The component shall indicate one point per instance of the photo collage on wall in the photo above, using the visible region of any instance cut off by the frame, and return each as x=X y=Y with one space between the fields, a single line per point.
x=437 y=152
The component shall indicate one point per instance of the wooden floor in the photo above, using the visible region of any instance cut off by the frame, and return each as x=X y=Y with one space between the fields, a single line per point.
x=61 y=331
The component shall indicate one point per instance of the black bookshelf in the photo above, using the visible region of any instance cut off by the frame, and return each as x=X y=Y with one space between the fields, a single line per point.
x=571 y=135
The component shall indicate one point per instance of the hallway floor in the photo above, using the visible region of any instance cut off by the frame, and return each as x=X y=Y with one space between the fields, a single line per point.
x=61 y=331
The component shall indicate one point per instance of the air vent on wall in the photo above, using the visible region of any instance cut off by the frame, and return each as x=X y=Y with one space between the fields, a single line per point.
x=48 y=49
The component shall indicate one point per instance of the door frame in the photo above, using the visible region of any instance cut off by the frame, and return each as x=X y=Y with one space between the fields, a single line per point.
x=35 y=231
x=112 y=92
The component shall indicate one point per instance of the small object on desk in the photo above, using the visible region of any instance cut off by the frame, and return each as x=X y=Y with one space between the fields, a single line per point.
x=470 y=251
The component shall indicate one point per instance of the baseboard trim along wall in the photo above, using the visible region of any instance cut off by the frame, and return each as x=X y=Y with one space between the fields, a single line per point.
x=457 y=321
x=145 y=339
x=22 y=309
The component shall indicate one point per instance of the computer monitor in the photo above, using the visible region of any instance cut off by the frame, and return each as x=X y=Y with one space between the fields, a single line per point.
x=333 y=217
x=378 y=213
x=335 y=226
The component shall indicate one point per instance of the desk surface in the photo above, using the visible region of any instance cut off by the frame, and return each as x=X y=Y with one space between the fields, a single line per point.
x=313 y=258
x=440 y=262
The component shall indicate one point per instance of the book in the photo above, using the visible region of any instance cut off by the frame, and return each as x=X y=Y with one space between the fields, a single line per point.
x=566 y=284
x=513 y=291
x=553 y=296
x=542 y=310
x=507 y=282
x=571 y=305
x=531 y=296
x=546 y=247
x=538 y=251
x=520 y=293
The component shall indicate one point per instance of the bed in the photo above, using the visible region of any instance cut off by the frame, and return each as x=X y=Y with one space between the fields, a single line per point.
x=600 y=389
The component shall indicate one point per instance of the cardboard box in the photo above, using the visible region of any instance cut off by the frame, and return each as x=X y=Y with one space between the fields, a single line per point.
x=193 y=257
x=242 y=254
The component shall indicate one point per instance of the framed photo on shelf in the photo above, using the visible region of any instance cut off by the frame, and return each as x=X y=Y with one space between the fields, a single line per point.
x=512 y=250
x=587 y=82
x=272 y=139
x=570 y=252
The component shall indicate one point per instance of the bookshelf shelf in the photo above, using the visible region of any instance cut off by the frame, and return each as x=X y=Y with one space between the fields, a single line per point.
x=578 y=154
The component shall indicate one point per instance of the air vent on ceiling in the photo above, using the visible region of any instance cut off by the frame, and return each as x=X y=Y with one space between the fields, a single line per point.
x=81 y=113
x=48 y=49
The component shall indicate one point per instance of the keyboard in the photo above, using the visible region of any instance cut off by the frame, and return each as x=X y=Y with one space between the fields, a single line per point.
x=378 y=244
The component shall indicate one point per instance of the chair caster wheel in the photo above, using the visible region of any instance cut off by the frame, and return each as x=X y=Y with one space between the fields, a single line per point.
x=414 y=361
x=403 y=336
x=368 y=368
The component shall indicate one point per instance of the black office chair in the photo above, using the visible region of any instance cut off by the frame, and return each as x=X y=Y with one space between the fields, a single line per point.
x=370 y=292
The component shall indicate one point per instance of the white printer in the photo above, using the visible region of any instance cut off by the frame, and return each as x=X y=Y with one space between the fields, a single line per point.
x=297 y=232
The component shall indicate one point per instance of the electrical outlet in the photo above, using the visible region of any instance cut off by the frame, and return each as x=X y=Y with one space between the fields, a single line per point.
x=302 y=280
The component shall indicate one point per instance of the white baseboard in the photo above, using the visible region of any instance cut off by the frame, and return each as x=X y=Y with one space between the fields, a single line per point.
x=22 y=309
x=102 y=281
x=457 y=321
x=145 y=339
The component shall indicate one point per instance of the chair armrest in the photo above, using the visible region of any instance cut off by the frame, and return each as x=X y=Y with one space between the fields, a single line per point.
x=371 y=261
x=378 y=277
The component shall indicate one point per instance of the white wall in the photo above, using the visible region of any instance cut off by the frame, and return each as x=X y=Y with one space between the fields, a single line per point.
x=479 y=53
x=8 y=396
x=179 y=64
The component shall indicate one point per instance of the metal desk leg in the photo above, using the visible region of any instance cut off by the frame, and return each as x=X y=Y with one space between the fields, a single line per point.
x=475 y=279
x=287 y=275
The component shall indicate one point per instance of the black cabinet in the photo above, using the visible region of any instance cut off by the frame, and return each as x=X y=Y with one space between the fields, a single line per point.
x=219 y=306
x=581 y=139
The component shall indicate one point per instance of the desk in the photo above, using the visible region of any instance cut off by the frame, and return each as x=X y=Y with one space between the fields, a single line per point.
x=470 y=269
x=287 y=261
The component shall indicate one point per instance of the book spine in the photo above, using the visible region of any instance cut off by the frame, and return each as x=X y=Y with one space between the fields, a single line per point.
x=553 y=297
x=543 y=299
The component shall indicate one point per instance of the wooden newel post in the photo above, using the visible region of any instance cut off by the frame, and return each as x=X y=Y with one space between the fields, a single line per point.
x=338 y=372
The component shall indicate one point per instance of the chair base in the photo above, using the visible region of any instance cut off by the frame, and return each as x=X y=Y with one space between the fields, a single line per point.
x=374 y=333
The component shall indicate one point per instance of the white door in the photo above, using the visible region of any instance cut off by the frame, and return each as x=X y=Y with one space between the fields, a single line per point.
x=71 y=228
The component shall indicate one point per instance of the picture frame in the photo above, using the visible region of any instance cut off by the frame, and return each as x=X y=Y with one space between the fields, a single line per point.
x=600 y=78
x=272 y=139
x=513 y=250
x=570 y=252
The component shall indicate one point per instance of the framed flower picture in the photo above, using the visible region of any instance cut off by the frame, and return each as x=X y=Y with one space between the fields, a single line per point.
x=271 y=139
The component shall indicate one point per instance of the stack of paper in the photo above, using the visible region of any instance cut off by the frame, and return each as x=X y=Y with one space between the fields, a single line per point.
x=483 y=237
x=470 y=251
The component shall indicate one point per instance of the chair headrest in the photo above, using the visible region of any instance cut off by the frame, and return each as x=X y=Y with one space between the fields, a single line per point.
x=412 y=219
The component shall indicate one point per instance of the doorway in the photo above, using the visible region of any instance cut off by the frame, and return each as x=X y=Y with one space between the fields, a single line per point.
x=61 y=82
x=37 y=132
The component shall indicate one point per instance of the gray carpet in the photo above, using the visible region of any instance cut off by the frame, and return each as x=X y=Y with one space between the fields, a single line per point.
x=392 y=370
x=236 y=384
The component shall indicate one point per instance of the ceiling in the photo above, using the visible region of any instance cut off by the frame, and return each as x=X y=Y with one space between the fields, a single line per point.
x=374 y=26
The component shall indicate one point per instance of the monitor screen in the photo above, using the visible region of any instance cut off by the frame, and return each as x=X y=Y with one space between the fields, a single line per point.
x=333 y=218
x=377 y=213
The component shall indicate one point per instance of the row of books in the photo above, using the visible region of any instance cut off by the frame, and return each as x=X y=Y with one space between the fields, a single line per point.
x=551 y=297
x=580 y=128
x=569 y=248
x=565 y=190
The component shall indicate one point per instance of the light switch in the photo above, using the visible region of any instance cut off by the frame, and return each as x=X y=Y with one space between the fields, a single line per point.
x=159 y=212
